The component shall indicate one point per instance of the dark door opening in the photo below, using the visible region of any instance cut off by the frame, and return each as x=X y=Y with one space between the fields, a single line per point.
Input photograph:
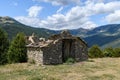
x=66 y=49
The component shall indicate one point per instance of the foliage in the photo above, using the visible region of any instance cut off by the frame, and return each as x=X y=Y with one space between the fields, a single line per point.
x=17 y=51
x=70 y=60
x=109 y=52
x=95 y=52
x=4 y=43
x=117 y=52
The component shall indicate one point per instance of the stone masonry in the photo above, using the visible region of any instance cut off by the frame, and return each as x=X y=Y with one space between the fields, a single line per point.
x=57 y=49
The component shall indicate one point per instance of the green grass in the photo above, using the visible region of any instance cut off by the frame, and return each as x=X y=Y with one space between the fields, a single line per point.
x=93 y=69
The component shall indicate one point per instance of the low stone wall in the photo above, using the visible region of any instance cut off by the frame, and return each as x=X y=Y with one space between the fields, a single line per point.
x=35 y=55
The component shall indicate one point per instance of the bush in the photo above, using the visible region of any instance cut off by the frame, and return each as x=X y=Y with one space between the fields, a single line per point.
x=117 y=52
x=95 y=52
x=109 y=52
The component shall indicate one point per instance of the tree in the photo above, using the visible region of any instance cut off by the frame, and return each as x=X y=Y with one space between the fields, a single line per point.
x=17 y=51
x=109 y=52
x=95 y=52
x=4 y=43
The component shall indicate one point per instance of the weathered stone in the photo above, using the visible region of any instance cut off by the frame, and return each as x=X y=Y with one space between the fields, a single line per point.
x=57 y=49
x=35 y=55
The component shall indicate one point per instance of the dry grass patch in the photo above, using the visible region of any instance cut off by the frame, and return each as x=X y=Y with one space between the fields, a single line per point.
x=93 y=69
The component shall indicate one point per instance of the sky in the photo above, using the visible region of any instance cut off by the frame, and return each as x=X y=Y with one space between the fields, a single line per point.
x=62 y=14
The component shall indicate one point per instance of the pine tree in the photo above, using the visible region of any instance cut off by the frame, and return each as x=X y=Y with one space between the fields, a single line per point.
x=4 y=43
x=17 y=50
x=95 y=52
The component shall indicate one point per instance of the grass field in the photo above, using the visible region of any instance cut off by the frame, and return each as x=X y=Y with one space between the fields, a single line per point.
x=93 y=69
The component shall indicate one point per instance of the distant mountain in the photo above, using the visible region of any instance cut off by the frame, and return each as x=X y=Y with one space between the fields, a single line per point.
x=12 y=27
x=104 y=36
x=114 y=43
x=79 y=32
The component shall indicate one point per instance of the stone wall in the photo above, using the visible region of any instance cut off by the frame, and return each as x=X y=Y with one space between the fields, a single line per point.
x=80 y=51
x=53 y=53
x=35 y=55
x=57 y=49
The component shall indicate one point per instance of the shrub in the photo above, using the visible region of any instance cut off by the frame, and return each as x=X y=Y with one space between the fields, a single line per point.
x=109 y=52
x=117 y=52
x=95 y=52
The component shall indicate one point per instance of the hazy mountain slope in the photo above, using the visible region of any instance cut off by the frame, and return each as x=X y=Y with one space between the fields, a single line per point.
x=115 y=43
x=79 y=32
x=110 y=29
x=104 y=35
x=100 y=39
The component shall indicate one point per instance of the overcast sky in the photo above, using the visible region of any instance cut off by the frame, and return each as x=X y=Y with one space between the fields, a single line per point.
x=62 y=14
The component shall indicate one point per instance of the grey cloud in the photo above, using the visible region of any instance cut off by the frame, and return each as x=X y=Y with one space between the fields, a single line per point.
x=60 y=2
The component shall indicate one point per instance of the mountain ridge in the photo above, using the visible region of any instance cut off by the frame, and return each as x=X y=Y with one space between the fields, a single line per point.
x=12 y=27
x=103 y=36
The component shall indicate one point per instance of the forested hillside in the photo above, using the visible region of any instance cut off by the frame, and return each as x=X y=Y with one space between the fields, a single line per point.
x=12 y=27
x=104 y=36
